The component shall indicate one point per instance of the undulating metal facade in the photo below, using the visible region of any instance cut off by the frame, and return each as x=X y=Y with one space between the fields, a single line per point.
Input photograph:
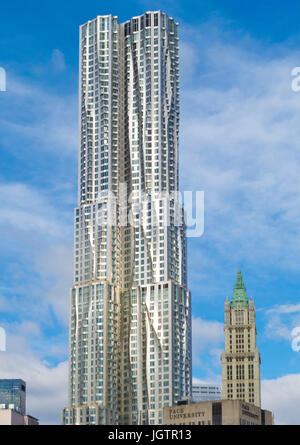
x=130 y=315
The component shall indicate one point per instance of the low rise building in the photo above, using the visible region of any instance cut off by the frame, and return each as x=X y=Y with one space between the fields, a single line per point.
x=219 y=412
x=12 y=417
x=203 y=392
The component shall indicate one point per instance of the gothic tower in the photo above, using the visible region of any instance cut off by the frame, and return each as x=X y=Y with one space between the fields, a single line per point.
x=241 y=359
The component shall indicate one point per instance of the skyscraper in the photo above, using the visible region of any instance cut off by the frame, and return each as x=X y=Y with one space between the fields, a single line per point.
x=130 y=321
x=241 y=359
x=13 y=395
x=13 y=403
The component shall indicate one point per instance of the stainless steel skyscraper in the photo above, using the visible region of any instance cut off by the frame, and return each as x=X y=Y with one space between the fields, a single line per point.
x=130 y=322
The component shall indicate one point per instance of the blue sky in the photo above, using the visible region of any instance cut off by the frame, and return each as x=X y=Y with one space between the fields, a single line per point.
x=239 y=142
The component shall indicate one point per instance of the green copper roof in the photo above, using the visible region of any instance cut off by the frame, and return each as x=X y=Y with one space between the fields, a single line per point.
x=239 y=293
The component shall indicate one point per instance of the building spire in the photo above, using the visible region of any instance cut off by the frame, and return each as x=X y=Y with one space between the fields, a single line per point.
x=239 y=292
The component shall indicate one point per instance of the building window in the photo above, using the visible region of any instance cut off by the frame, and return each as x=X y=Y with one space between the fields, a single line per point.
x=240 y=372
x=229 y=372
x=148 y=20
x=251 y=371
x=217 y=413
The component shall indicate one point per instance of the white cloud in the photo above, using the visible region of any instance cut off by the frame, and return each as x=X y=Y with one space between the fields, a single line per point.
x=36 y=237
x=216 y=380
x=55 y=266
x=58 y=62
x=46 y=381
x=39 y=236
x=281 y=320
x=285 y=309
x=239 y=143
x=282 y=396
x=27 y=210
x=207 y=337
x=46 y=386
x=35 y=116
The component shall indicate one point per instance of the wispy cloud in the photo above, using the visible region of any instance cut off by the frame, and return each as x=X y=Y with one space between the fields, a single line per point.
x=58 y=61
x=208 y=337
x=26 y=209
x=37 y=265
x=281 y=320
x=46 y=386
x=36 y=241
x=39 y=144
x=285 y=309
x=239 y=143
x=35 y=116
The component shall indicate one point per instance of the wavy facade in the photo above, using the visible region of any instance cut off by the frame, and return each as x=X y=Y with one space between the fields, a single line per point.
x=130 y=322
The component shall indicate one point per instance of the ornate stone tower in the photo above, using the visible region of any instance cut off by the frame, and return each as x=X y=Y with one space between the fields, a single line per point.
x=241 y=359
